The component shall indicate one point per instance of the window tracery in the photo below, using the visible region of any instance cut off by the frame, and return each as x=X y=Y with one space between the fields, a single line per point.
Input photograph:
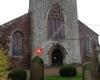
x=56 y=23
x=17 y=45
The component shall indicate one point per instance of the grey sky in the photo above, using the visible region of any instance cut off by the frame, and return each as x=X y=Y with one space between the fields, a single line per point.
x=88 y=11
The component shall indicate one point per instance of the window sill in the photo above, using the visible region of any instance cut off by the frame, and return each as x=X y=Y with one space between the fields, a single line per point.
x=16 y=57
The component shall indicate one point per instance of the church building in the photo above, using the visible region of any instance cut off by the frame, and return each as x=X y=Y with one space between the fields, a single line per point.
x=51 y=27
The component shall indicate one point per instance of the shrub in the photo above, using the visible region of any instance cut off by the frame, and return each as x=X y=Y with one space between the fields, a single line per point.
x=17 y=74
x=3 y=62
x=68 y=71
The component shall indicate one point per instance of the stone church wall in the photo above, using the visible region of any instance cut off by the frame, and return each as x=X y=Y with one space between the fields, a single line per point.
x=40 y=10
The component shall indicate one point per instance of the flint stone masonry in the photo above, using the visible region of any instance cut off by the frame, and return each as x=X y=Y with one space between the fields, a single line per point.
x=40 y=10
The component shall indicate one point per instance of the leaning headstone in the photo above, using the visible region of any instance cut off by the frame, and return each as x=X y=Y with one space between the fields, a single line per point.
x=90 y=70
x=37 y=69
x=98 y=71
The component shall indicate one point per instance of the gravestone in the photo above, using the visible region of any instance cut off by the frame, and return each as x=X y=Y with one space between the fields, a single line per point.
x=37 y=69
x=90 y=71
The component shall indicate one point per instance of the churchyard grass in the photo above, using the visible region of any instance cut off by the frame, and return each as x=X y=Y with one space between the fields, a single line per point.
x=63 y=78
x=78 y=77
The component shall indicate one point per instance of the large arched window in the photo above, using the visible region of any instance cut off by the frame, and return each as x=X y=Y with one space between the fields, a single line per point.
x=55 y=23
x=17 y=45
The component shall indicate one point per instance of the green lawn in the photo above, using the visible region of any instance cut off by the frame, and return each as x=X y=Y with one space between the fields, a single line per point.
x=78 y=77
x=62 y=78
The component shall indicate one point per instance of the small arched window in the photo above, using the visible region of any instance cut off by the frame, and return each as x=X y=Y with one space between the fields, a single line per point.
x=87 y=46
x=55 y=23
x=17 y=45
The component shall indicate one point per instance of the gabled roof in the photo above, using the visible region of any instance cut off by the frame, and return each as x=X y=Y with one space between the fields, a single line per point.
x=23 y=17
x=82 y=25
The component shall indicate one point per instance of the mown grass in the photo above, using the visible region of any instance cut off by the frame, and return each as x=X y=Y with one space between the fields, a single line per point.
x=78 y=77
x=63 y=78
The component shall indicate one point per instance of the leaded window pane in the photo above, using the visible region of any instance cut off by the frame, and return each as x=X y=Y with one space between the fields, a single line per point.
x=56 y=23
x=17 y=48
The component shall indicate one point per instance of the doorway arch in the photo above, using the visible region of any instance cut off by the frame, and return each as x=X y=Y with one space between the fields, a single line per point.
x=57 y=55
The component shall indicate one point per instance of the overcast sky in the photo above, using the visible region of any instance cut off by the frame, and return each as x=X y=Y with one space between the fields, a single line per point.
x=88 y=11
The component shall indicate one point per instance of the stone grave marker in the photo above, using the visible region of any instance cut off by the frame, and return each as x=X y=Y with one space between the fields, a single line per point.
x=37 y=69
x=90 y=71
